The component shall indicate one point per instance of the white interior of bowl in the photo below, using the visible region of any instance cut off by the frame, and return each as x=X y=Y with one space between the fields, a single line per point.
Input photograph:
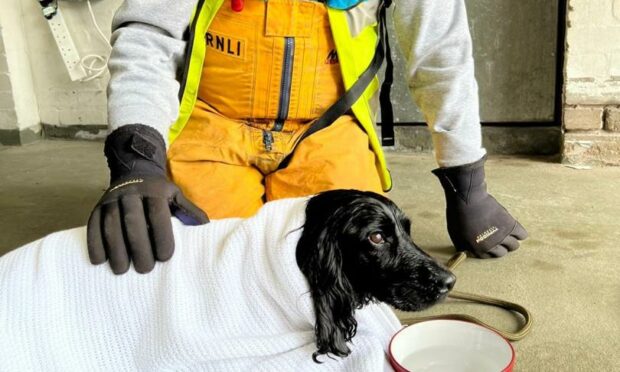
x=450 y=346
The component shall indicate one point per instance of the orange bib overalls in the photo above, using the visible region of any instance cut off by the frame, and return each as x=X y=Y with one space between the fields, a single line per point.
x=268 y=72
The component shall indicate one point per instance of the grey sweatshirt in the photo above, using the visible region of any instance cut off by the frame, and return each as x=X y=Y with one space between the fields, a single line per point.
x=148 y=49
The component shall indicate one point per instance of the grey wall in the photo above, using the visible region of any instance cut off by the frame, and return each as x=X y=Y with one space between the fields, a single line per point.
x=515 y=53
x=514 y=49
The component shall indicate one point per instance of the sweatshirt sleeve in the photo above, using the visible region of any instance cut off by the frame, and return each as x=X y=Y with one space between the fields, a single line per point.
x=147 y=50
x=436 y=43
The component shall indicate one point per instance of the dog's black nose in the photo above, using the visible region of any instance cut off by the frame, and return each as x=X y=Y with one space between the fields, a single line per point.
x=447 y=283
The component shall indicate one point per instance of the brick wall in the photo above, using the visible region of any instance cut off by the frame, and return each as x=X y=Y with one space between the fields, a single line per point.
x=592 y=86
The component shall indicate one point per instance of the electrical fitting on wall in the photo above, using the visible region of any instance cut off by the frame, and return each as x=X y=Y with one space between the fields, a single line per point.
x=82 y=69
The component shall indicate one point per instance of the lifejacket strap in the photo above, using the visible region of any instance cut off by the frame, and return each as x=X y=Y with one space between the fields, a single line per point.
x=353 y=94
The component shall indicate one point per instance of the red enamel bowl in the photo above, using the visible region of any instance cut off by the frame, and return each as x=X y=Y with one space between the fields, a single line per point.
x=445 y=345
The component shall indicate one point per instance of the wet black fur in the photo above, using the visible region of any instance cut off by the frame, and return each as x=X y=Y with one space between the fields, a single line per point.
x=345 y=270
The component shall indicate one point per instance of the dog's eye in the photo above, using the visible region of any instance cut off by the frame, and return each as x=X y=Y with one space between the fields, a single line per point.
x=376 y=238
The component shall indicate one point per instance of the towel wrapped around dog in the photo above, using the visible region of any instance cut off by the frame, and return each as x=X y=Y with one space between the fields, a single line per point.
x=231 y=298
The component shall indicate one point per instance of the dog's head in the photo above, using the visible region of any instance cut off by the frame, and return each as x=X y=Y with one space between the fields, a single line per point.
x=356 y=247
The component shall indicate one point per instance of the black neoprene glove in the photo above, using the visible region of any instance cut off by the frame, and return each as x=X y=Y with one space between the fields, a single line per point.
x=131 y=221
x=476 y=221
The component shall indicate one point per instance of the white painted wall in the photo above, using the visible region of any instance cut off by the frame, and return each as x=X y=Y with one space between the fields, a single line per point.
x=60 y=101
x=593 y=52
x=8 y=117
x=17 y=98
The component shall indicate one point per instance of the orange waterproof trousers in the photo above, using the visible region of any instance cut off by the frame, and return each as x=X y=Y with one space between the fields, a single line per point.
x=269 y=71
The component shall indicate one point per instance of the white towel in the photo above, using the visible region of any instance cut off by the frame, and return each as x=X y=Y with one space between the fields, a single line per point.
x=231 y=298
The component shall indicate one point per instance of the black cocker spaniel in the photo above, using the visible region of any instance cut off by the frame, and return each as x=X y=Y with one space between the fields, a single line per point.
x=356 y=247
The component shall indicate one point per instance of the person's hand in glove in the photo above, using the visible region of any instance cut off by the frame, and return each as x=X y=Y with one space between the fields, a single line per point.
x=477 y=223
x=131 y=221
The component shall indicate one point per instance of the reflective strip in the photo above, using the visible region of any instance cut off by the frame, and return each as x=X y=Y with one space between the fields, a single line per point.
x=192 y=35
x=205 y=11
x=355 y=54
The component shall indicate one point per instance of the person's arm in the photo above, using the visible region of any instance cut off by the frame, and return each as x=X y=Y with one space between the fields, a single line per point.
x=436 y=43
x=148 y=50
x=434 y=36
x=131 y=221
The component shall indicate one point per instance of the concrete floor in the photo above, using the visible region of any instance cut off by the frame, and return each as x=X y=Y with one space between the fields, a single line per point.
x=566 y=273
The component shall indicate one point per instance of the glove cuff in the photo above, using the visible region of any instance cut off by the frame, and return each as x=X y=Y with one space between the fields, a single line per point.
x=135 y=150
x=462 y=180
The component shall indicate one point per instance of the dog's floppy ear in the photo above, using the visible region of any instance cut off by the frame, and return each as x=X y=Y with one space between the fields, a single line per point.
x=319 y=257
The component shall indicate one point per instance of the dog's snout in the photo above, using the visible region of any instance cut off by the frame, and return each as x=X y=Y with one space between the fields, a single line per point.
x=447 y=282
